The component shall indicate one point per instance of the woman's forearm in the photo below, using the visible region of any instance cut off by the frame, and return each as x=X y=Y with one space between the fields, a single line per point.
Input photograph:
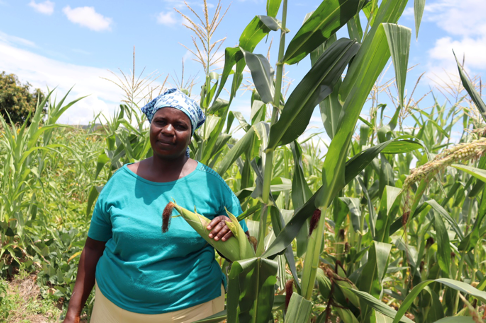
x=85 y=278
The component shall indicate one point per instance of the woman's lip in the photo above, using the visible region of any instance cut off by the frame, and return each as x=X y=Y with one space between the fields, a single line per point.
x=166 y=142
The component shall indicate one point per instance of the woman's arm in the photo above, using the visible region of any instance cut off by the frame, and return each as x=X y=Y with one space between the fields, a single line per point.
x=85 y=279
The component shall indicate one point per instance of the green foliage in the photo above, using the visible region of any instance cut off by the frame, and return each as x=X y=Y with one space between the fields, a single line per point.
x=385 y=232
x=17 y=100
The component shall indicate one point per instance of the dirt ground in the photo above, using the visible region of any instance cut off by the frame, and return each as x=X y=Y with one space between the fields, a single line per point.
x=25 y=294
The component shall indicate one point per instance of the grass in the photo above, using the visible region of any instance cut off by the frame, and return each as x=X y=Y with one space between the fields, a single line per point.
x=22 y=301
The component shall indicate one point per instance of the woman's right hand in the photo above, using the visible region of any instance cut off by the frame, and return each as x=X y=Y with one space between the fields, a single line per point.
x=85 y=278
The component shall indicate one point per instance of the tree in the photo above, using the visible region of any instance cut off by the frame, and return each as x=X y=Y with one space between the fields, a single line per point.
x=16 y=99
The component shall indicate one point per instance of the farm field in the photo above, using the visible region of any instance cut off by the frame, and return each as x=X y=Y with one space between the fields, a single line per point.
x=386 y=224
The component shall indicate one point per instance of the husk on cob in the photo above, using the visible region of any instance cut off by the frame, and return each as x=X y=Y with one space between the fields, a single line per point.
x=235 y=248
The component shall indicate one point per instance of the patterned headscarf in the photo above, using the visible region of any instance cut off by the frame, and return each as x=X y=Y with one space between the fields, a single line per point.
x=176 y=99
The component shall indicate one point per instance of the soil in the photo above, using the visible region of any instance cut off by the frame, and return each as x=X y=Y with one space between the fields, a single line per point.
x=29 y=292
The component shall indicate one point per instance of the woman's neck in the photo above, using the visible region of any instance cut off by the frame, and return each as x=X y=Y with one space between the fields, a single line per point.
x=159 y=169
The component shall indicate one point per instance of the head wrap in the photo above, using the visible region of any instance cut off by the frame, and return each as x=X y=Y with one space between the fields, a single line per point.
x=176 y=99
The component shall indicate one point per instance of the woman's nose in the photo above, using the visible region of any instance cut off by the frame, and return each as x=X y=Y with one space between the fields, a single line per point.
x=168 y=129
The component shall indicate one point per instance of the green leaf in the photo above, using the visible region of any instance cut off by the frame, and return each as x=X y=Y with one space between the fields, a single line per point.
x=299 y=309
x=389 y=206
x=399 y=44
x=475 y=96
x=93 y=195
x=456 y=319
x=239 y=148
x=300 y=194
x=375 y=268
x=100 y=163
x=388 y=12
x=323 y=282
x=454 y=284
x=254 y=33
x=443 y=245
x=359 y=161
x=232 y=55
x=434 y=310
x=330 y=107
x=315 y=86
x=470 y=241
x=387 y=176
x=272 y=7
x=446 y=216
x=271 y=22
x=328 y=18
x=354 y=28
x=476 y=172
x=346 y=315
x=418 y=12
x=402 y=146
x=340 y=211
x=378 y=306
x=380 y=318
x=217 y=105
x=354 y=211
x=314 y=249
x=353 y=167
x=261 y=75
x=252 y=281
x=375 y=58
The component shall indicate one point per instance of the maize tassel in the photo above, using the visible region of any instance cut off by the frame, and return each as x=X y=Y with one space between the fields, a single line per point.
x=235 y=248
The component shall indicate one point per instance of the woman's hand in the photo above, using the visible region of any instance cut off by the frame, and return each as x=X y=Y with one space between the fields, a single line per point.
x=85 y=279
x=220 y=230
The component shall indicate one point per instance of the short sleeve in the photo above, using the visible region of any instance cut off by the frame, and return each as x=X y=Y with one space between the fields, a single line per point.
x=100 y=228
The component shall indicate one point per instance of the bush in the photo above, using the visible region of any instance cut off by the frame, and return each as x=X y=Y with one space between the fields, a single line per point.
x=16 y=99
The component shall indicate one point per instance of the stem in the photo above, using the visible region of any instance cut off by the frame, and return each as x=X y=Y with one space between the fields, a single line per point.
x=361 y=228
x=267 y=178
x=311 y=261
x=206 y=97
x=463 y=255
x=461 y=264
x=267 y=175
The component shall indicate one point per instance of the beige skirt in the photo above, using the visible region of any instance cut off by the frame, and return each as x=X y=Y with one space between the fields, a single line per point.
x=104 y=311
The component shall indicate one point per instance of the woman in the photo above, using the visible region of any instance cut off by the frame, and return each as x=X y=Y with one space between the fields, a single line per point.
x=142 y=274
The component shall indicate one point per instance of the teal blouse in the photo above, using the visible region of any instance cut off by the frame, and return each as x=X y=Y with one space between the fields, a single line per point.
x=143 y=270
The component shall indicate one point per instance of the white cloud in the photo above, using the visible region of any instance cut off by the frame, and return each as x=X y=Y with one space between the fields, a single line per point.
x=466 y=35
x=167 y=18
x=474 y=49
x=46 y=7
x=43 y=72
x=408 y=12
x=88 y=17
x=15 y=40
x=462 y=18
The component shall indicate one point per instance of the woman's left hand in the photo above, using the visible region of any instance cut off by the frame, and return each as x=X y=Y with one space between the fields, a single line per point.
x=220 y=230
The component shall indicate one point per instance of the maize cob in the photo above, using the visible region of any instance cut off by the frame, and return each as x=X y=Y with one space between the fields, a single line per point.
x=235 y=248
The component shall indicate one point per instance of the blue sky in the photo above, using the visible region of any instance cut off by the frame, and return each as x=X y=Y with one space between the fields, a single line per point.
x=74 y=43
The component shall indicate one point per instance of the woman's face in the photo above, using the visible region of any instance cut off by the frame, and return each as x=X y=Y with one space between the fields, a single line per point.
x=170 y=133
